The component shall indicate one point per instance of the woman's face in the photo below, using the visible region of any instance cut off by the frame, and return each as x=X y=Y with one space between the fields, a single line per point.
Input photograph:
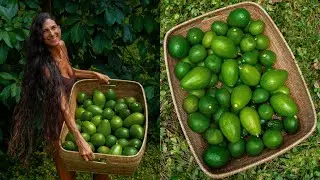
x=51 y=33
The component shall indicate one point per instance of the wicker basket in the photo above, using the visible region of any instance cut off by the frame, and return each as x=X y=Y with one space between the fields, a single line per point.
x=285 y=60
x=107 y=164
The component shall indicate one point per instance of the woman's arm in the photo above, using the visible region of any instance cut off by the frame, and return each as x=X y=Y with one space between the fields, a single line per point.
x=90 y=75
x=85 y=74
x=82 y=74
x=83 y=147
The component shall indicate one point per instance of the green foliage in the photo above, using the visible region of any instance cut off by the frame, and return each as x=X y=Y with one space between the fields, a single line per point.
x=298 y=22
x=14 y=24
x=103 y=36
x=15 y=20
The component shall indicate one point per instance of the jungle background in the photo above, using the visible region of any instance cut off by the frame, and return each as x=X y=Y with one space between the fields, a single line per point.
x=116 y=37
x=299 y=23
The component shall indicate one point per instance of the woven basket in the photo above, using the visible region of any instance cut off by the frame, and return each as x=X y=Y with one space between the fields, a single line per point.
x=107 y=164
x=285 y=60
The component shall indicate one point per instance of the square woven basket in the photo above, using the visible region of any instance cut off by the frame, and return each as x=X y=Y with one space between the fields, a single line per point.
x=107 y=164
x=285 y=60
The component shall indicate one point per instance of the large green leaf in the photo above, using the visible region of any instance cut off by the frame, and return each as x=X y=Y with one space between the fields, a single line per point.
x=18 y=46
x=71 y=7
x=145 y=2
x=20 y=36
x=7 y=76
x=148 y=24
x=96 y=20
x=108 y=44
x=59 y=4
x=126 y=34
x=98 y=43
x=7 y=13
x=100 y=7
x=71 y=20
x=26 y=32
x=33 y=4
x=120 y=5
x=66 y=35
x=110 y=15
x=77 y=33
x=149 y=92
x=137 y=23
x=3 y=53
x=5 y=94
x=8 y=27
x=6 y=38
x=12 y=38
x=119 y=15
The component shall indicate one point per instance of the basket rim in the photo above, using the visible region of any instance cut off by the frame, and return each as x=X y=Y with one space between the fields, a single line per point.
x=165 y=44
x=142 y=148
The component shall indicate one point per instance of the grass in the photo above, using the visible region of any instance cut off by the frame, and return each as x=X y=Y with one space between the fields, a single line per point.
x=299 y=22
x=42 y=166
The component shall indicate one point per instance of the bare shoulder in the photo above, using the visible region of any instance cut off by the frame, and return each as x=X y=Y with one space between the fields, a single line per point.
x=63 y=45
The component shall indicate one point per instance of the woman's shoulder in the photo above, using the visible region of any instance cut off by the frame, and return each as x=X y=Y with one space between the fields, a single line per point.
x=63 y=46
x=61 y=43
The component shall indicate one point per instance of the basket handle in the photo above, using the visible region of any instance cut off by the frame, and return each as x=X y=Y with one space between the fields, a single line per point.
x=101 y=157
x=108 y=85
x=105 y=159
x=112 y=83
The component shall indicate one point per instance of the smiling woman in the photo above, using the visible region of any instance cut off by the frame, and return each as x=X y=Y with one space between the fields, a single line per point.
x=48 y=79
x=51 y=33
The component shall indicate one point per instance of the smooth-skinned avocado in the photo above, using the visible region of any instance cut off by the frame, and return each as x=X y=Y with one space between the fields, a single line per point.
x=197 y=78
x=224 y=47
x=273 y=79
x=284 y=105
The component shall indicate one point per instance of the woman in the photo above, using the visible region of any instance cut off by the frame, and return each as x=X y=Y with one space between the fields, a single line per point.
x=47 y=82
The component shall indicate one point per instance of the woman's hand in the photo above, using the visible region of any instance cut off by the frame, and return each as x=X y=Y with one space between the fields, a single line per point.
x=85 y=149
x=86 y=74
x=103 y=77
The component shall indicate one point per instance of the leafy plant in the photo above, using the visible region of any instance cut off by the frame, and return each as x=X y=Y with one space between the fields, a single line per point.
x=115 y=37
x=15 y=19
x=118 y=38
x=14 y=24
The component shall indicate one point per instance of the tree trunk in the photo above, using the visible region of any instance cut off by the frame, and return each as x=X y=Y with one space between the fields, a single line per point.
x=46 y=6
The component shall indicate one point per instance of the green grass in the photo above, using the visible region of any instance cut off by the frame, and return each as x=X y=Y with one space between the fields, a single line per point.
x=299 y=23
x=42 y=166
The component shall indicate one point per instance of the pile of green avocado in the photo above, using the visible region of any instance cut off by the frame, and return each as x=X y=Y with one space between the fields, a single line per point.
x=235 y=98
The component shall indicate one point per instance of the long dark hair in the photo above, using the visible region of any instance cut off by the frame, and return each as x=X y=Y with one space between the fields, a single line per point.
x=40 y=96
